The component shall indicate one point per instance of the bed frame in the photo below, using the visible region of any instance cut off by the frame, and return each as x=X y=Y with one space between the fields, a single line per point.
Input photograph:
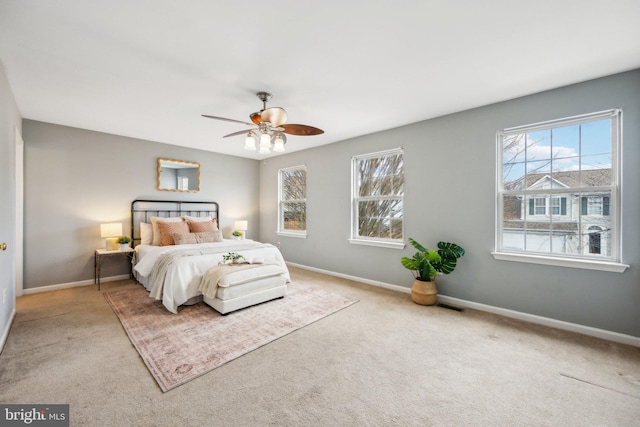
x=142 y=210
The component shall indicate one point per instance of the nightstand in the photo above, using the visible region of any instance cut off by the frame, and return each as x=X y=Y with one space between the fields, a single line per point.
x=103 y=253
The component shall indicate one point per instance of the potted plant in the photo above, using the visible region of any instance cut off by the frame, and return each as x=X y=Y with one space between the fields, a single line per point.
x=237 y=235
x=232 y=257
x=124 y=242
x=425 y=266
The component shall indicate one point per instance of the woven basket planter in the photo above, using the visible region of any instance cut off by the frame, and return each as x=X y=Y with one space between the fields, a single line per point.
x=424 y=293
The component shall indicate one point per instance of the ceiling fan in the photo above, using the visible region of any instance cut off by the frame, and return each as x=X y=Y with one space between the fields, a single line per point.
x=268 y=125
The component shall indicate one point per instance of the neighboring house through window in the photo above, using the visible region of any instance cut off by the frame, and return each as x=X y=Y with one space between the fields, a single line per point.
x=292 y=201
x=558 y=189
x=377 y=199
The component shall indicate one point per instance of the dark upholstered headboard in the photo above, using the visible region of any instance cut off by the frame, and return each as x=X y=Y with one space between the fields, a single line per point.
x=142 y=210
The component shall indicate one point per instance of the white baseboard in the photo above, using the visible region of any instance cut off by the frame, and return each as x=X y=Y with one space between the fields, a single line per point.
x=5 y=333
x=354 y=278
x=72 y=284
x=532 y=318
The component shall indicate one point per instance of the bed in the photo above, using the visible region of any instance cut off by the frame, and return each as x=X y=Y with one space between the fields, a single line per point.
x=176 y=248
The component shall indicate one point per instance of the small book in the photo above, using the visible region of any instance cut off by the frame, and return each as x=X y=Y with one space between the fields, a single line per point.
x=251 y=261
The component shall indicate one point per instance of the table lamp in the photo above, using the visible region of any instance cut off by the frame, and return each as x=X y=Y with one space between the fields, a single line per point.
x=111 y=231
x=241 y=226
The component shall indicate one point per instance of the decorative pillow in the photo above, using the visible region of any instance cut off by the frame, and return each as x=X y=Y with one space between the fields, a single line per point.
x=184 y=238
x=156 y=232
x=209 y=236
x=146 y=233
x=197 y=218
x=197 y=227
x=168 y=229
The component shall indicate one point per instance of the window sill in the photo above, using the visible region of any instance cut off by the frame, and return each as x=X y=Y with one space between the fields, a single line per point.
x=610 y=266
x=301 y=235
x=378 y=243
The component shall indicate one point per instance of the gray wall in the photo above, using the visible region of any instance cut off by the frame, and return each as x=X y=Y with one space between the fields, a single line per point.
x=9 y=121
x=77 y=179
x=450 y=195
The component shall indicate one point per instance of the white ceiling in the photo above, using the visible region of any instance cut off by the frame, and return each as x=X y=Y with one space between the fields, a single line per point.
x=149 y=68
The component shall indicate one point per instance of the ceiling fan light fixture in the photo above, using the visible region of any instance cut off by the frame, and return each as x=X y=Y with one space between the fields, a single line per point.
x=278 y=144
x=250 y=143
x=265 y=140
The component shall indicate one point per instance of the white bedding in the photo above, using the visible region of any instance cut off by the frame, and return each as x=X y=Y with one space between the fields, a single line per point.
x=183 y=275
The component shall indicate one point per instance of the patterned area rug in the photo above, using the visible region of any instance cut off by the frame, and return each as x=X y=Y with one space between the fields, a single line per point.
x=180 y=347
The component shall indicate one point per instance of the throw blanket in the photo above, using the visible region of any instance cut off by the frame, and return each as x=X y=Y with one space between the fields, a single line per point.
x=165 y=260
x=231 y=275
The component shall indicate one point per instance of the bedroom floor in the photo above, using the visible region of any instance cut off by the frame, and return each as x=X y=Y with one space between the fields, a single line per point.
x=383 y=361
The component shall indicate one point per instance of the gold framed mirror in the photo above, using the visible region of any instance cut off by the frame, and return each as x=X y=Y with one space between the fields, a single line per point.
x=178 y=175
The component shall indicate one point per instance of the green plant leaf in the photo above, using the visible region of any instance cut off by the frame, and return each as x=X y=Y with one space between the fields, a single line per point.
x=410 y=263
x=417 y=245
x=450 y=249
x=432 y=256
x=449 y=254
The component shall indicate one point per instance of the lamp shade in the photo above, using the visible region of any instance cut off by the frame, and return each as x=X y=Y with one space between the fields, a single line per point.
x=111 y=229
x=265 y=140
x=241 y=225
x=250 y=143
x=278 y=144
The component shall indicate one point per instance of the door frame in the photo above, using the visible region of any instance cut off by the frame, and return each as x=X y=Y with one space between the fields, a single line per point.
x=19 y=218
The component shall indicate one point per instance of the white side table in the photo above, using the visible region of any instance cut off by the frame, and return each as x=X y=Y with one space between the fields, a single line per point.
x=103 y=253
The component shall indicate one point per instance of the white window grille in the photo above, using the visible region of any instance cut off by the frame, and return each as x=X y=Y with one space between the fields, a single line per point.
x=377 y=199
x=292 y=201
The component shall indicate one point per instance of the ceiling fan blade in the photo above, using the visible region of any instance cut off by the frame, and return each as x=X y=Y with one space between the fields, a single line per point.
x=240 y=132
x=302 y=130
x=274 y=115
x=226 y=120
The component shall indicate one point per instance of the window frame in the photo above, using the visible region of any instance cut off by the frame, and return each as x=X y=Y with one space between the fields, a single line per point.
x=355 y=238
x=604 y=263
x=281 y=231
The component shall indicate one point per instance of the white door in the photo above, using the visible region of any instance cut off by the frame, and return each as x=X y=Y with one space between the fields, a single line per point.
x=7 y=227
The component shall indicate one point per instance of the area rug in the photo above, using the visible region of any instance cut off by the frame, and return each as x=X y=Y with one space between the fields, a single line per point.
x=180 y=347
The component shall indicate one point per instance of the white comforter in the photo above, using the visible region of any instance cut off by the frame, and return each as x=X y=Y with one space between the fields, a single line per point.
x=184 y=274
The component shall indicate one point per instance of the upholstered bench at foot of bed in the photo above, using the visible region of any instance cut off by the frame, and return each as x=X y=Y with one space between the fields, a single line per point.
x=235 y=297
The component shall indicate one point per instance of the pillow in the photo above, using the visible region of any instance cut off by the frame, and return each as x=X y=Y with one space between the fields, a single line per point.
x=209 y=236
x=184 y=238
x=154 y=224
x=146 y=233
x=197 y=218
x=168 y=229
x=197 y=227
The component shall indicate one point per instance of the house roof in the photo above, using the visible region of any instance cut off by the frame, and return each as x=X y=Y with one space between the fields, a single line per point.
x=564 y=179
x=570 y=179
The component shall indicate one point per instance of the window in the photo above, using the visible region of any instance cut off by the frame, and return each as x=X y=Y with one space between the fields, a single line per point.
x=292 y=201
x=558 y=191
x=547 y=206
x=555 y=205
x=595 y=205
x=540 y=206
x=377 y=199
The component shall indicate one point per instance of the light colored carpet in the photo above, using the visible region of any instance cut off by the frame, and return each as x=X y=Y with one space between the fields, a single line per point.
x=180 y=347
x=384 y=361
